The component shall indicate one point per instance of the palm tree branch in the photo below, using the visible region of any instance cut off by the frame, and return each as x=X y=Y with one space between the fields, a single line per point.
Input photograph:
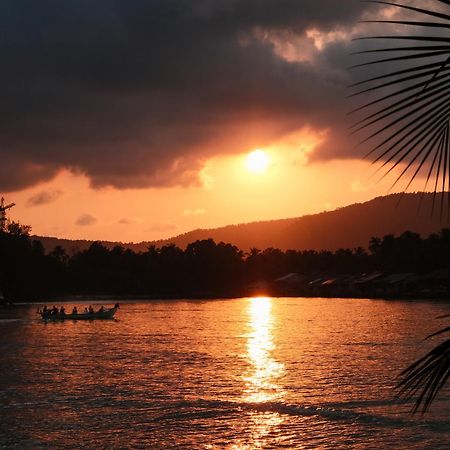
x=430 y=171
x=443 y=317
x=402 y=58
x=438 y=172
x=428 y=374
x=407 y=123
x=445 y=330
x=420 y=137
x=410 y=23
x=427 y=116
x=437 y=89
x=398 y=81
x=444 y=171
x=427 y=12
x=396 y=73
x=414 y=141
x=430 y=144
x=404 y=38
x=426 y=48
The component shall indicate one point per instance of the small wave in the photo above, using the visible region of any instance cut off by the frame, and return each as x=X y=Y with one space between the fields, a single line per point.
x=369 y=344
x=334 y=414
x=213 y=408
x=367 y=403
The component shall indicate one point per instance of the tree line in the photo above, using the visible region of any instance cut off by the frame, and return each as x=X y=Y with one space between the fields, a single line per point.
x=204 y=269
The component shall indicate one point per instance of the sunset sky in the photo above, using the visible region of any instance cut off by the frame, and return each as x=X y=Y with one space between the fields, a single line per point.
x=134 y=120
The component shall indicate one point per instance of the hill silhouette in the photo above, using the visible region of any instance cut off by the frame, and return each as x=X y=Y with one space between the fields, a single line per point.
x=347 y=227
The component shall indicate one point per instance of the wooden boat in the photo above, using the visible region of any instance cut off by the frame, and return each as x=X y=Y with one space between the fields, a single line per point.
x=105 y=314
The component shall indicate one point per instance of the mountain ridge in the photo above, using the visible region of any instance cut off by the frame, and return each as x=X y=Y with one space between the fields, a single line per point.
x=345 y=227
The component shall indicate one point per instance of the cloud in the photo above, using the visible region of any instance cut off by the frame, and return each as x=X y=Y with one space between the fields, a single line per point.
x=194 y=212
x=129 y=221
x=141 y=93
x=85 y=220
x=44 y=197
x=162 y=227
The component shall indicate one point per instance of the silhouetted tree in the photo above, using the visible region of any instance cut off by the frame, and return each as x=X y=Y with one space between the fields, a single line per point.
x=25 y=271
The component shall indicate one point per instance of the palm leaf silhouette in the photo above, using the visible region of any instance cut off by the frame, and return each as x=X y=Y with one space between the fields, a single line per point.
x=424 y=378
x=405 y=121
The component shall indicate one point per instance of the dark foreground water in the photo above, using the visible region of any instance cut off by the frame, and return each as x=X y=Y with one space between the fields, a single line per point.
x=234 y=374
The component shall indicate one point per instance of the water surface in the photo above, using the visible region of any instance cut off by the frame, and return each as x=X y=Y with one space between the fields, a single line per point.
x=236 y=374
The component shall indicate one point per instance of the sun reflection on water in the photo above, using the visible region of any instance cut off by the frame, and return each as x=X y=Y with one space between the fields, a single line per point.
x=265 y=371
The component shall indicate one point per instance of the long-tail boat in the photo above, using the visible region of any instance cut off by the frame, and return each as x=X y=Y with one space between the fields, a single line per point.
x=101 y=314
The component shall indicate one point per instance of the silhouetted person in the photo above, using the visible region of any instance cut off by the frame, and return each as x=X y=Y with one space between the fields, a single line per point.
x=91 y=309
x=74 y=310
x=86 y=311
x=62 y=310
x=101 y=309
x=54 y=310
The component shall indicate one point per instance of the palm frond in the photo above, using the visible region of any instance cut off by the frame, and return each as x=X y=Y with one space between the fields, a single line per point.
x=405 y=123
x=445 y=330
x=426 y=377
x=405 y=116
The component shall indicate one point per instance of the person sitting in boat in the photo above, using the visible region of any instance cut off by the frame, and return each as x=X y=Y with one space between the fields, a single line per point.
x=74 y=310
x=54 y=310
x=101 y=309
x=62 y=310
x=86 y=311
x=91 y=309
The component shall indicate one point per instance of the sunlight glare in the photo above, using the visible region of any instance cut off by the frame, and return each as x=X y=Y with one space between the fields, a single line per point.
x=265 y=370
x=261 y=385
x=257 y=161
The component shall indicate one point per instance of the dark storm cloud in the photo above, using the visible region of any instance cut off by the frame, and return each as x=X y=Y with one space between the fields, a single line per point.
x=136 y=93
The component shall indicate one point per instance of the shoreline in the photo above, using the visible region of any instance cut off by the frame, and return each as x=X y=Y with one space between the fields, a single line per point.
x=97 y=299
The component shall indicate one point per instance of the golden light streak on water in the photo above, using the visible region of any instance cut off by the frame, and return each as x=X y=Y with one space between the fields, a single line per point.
x=265 y=369
x=262 y=384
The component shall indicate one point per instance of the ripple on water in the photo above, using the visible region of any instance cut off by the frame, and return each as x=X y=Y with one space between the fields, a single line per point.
x=237 y=374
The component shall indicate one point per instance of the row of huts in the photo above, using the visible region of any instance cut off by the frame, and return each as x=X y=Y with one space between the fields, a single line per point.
x=435 y=284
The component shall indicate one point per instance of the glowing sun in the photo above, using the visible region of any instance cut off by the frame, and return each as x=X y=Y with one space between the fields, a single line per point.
x=257 y=161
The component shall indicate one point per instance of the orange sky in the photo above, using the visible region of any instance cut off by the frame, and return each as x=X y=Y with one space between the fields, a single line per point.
x=230 y=194
x=145 y=134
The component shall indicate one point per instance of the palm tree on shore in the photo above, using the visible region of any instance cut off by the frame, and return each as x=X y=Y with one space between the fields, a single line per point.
x=405 y=119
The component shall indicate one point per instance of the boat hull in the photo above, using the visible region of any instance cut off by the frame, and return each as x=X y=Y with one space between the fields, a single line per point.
x=104 y=315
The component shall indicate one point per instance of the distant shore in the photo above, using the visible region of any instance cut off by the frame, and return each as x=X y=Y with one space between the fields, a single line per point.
x=403 y=267
x=148 y=298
